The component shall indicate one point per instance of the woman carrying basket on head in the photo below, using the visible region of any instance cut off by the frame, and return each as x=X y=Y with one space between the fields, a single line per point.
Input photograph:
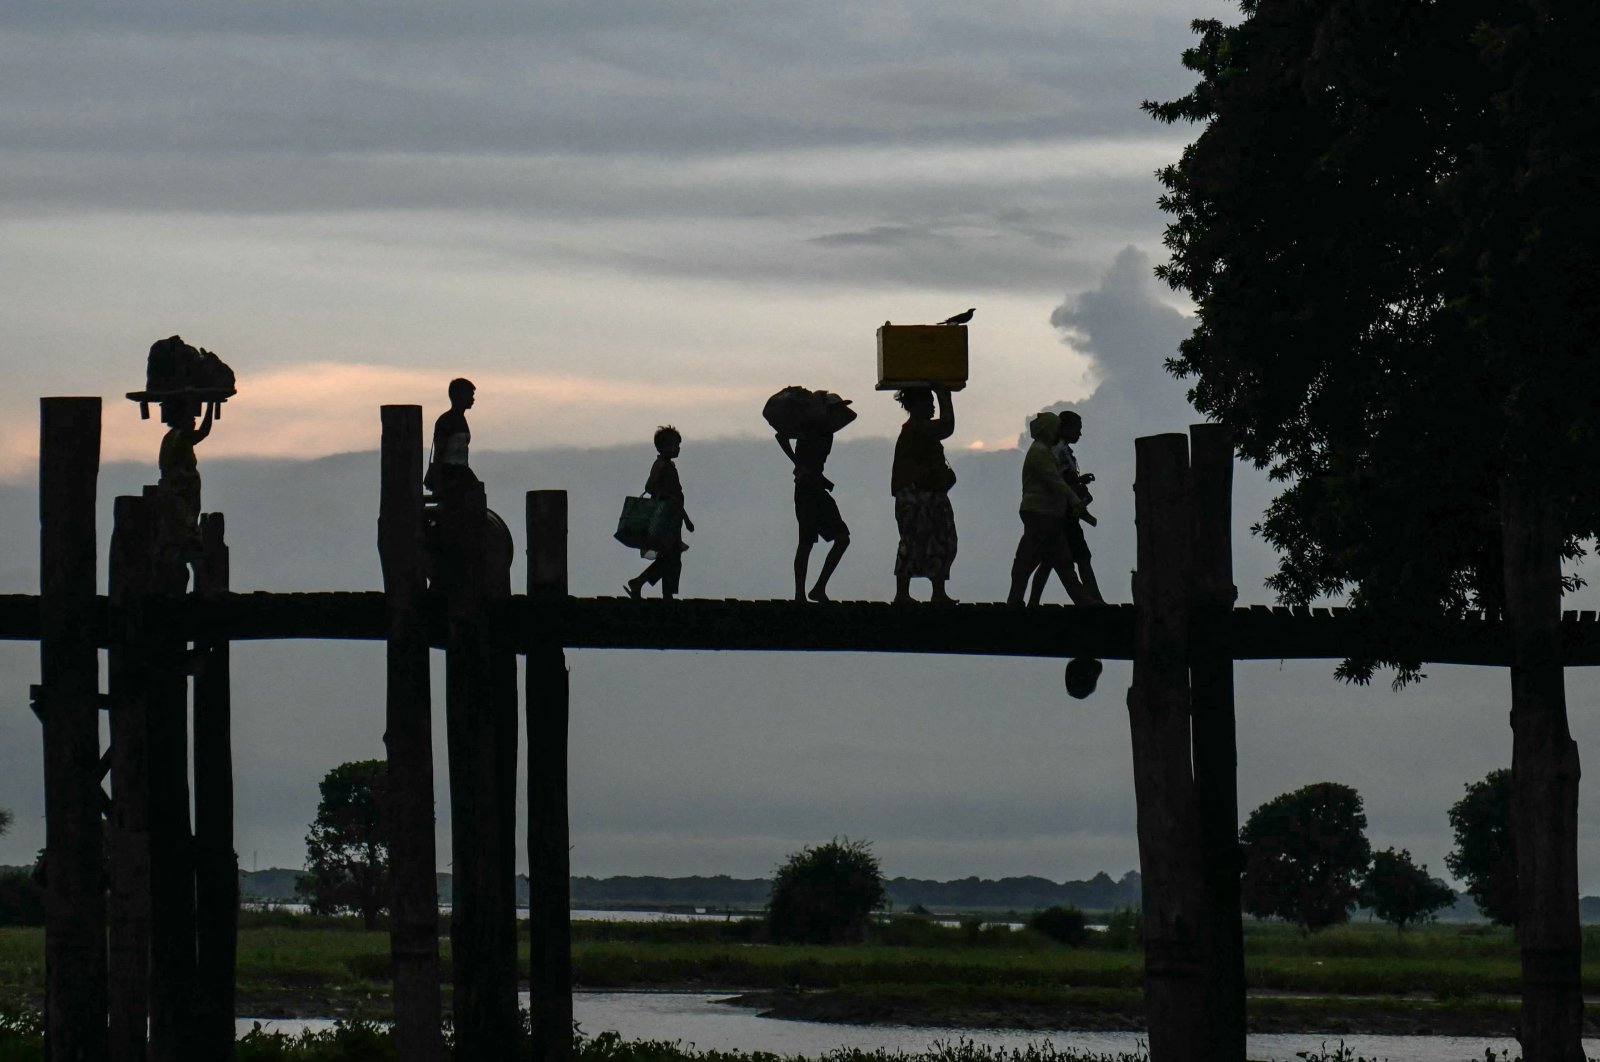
x=920 y=482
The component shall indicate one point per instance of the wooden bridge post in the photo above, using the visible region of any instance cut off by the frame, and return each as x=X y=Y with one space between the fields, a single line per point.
x=485 y=1004
x=1545 y=771
x=408 y=736
x=172 y=883
x=216 y=862
x=549 y=864
x=1175 y=981
x=128 y=841
x=68 y=704
x=1216 y=757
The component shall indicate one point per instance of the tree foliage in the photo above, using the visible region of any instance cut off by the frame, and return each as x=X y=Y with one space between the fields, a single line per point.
x=1485 y=855
x=1402 y=893
x=826 y=894
x=1064 y=925
x=6 y=819
x=1387 y=227
x=1305 y=855
x=347 y=858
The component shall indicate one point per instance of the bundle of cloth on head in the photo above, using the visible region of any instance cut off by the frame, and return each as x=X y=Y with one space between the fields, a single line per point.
x=798 y=411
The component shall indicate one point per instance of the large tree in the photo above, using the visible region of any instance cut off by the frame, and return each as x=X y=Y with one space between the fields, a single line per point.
x=826 y=894
x=347 y=858
x=1305 y=855
x=1402 y=893
x=1389 y=231
x=1484 y=856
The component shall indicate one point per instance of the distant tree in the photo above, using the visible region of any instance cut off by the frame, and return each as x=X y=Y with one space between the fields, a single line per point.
x=347 y=859
x=1400 y=892
x=6 y=818
x=1064 y=925
x=1306 y=853
x=826 y=894
x=1485 y=855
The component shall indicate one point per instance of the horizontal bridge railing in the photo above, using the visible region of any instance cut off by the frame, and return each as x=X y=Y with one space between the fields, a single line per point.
x=1255 y=632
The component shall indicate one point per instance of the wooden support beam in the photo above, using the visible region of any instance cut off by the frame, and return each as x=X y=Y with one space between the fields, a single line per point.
x=1216 y=756
x=1175 y=919
x=216 y=863
x=409 y=824
x=172 y=913
x=485 y=1001
x=128 y=835
x=549 y=864
x=1545 y=770
x=69 y=665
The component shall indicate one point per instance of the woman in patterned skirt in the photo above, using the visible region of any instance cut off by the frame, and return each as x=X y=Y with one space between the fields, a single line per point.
x=920 y=482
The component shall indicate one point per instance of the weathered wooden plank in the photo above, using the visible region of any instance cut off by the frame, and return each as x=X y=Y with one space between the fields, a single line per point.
x=216 y=865
x=408 y=735
x=485 y=1000
x=1216 y=758
x=68 y=704
x=1173 y=891
x=128 y=833
x=549 y=869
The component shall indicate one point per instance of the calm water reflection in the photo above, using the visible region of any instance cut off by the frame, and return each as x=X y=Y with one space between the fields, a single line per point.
x=696 y=1019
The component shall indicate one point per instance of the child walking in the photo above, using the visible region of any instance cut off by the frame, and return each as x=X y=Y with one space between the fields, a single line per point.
x=668 y=548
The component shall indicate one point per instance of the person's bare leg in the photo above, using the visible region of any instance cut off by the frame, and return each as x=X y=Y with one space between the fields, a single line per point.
x=829 y=563
x=1090 y=586
x=802 y=561
x=902 y=589
x=939 y=596
x=1041 y=577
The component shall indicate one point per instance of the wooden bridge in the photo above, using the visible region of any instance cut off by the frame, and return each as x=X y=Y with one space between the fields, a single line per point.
x=142 y=924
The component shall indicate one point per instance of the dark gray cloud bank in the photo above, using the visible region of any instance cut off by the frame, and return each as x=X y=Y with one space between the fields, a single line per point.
x=703 y=762
x=936 y=144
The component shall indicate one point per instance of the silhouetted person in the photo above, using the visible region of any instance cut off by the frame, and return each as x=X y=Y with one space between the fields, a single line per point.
x=1048 y=503
x=452 y=439
x=668 y=548
x=1077 y=545
x=180 y=470
x=815 y=511
x=920 y=482
x=1083 y=675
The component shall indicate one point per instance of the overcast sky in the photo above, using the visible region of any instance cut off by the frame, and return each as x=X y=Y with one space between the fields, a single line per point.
x=615 y=215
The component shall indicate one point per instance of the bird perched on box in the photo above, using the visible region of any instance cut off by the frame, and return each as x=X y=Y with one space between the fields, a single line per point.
x=960 y=318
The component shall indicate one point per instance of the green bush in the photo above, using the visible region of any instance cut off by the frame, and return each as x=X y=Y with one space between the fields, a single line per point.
x=1064 y=925
x=1123 y=929
x=21 y=899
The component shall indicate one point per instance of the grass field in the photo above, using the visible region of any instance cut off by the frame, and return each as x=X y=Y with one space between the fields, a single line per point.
x=1440 y=975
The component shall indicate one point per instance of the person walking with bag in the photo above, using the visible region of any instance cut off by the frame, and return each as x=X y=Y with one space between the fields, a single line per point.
x=668 y=545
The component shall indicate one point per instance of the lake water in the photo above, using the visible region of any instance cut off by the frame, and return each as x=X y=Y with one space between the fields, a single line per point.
x=695 y=1018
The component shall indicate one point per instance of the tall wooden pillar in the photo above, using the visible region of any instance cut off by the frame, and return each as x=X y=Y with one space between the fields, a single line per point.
x=1175 y=920
x=216 y=863
x=68 y=704
x=172 y=913
x=1544 y=777
x=485 y=1004
x=549 y=867
x=1216 y=756
x=409 y=813
x=128 y=841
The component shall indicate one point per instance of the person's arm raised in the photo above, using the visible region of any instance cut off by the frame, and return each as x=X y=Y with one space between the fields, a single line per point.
x=946 y=421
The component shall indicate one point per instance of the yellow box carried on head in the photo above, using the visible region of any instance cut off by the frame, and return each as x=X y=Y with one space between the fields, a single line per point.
x=922 y=355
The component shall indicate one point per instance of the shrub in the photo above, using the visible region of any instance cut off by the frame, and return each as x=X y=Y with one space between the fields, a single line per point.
x=826 y=895
x=1064 y=925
